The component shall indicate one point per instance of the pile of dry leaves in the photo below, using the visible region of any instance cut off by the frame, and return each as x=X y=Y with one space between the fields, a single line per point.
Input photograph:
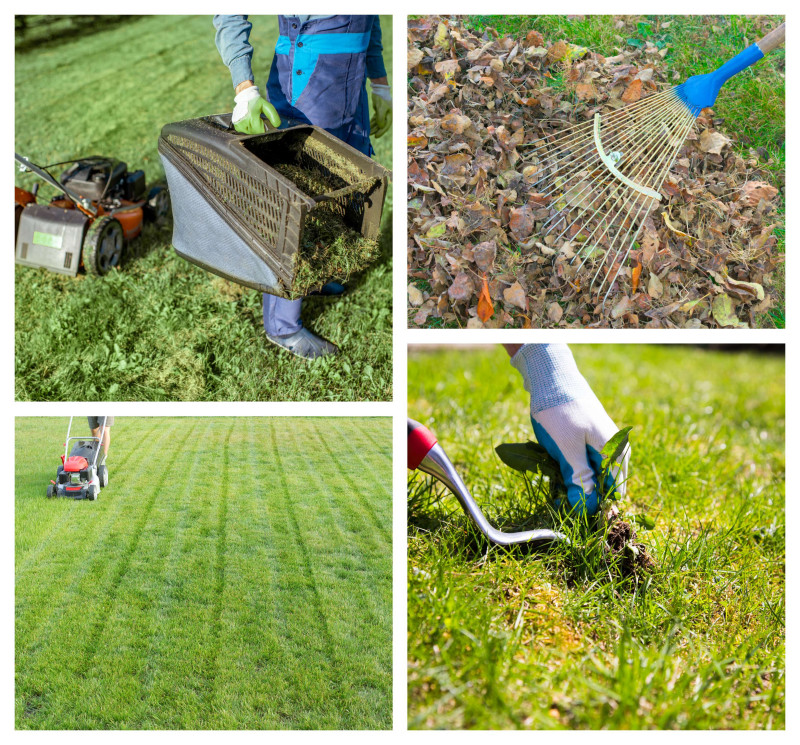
x=701 y=260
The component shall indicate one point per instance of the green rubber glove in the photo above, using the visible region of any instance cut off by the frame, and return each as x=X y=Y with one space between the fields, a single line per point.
x=247 y=112
x=381 y=119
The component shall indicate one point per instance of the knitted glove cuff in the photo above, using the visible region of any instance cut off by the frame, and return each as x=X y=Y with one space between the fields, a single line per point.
x=550 y=375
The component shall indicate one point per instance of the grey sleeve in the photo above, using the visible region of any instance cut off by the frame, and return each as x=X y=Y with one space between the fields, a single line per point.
x=233 y=43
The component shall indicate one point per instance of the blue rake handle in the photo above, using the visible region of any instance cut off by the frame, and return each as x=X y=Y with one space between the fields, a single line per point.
x=700 y=91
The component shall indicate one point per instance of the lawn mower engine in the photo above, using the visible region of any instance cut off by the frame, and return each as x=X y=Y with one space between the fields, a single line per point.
x=101 y=205
x=77 y=477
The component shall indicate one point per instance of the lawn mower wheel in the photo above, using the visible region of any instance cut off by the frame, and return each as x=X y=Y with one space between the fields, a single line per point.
x=102 y=474
x=102 y=247
x=51 y=491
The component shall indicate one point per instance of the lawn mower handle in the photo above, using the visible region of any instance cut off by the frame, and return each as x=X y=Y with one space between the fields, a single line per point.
x=84 y=204
x=426 y=455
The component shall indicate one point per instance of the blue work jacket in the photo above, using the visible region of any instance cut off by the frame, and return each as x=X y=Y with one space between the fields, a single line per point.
x=319 y=70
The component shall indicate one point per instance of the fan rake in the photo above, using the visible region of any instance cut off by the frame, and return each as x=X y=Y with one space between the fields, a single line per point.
x=600 y=179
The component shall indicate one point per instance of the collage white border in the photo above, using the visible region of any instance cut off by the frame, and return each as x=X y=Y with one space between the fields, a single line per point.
x=402 y=337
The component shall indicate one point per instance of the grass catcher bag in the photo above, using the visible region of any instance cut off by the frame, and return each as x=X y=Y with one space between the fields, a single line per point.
x=282 y=212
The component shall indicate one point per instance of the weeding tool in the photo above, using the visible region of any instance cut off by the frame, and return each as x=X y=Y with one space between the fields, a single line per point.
x=425 y=454
x=602 y=177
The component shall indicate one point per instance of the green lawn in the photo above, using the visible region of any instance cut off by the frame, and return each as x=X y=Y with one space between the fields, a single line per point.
x=235 y=574
x=162 y=328
x=520 y=639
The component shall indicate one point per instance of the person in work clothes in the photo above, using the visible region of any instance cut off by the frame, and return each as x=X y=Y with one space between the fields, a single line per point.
x=318 y=76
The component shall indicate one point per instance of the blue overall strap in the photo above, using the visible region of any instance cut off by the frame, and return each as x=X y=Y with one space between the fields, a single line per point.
x=308 y=48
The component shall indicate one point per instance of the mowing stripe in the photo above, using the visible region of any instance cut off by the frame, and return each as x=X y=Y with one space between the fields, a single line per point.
x=44 y=623
x=219 y=572
x=159 y=643
x=307 y=566
x=359 y=618
x=60 y=522
x=358 y=491
x=123 y=565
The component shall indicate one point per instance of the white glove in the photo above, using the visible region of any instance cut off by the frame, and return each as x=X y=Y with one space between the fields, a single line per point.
x=569 y=422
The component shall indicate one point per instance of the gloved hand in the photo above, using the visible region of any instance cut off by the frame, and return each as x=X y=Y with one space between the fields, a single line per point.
x=381 y=109
x=247 y=112
x=569 y=422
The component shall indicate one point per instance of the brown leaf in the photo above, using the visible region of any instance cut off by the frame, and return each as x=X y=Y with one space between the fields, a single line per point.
x=521 y=222
x=454 y=164
x=534 y=39
x=654 y=287
x=515 y=295
x=415 y=297
x=633 y=92
x=414 y=57
x=754 y=191
x=485 y=305
x=462 y=288
x=555 y=312
x=455 y=122
x=623 y=306
x=558 y=51
x=417 y=141
x=485 y=254
x=636 y=273
x=713 y=142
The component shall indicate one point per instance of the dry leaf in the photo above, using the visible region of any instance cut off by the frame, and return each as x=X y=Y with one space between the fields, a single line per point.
x=654 y=287
x=515 y=295
x=462 y=288
x=622 y=307
x=636 y=273
x=485 y=305
x=713 y=142
x=521 y=222
x=754 y=191
x=455 y=122
x=415 y=297
x=485 y=254
x=723 y=311
x=633 y=92
x=555 y=312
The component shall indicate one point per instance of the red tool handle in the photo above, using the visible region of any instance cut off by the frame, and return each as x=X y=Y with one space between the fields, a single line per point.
x=420 y=442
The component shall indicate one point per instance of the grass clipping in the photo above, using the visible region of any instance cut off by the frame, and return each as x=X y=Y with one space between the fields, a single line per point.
x=621 y=547
x=329 y=250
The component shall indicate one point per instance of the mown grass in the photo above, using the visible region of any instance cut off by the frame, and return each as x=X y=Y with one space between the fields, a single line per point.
x=161 y=328
x=235 y=574
x=528 y=639
x=751 y=105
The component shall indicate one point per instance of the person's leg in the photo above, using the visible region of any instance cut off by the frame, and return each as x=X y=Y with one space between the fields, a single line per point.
x=284 y=328
x=281 y=316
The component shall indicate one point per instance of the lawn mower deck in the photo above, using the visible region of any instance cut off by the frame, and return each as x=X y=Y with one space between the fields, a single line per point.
x=100 y=206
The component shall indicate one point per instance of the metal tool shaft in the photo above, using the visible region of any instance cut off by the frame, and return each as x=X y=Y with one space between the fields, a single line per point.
x=436 y=463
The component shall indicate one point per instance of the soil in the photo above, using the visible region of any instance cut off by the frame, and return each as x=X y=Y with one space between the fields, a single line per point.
x=633 y=557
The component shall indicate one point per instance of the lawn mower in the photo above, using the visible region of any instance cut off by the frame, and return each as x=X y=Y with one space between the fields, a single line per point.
x=425 y=454
x=82 y=472
x=99 y=206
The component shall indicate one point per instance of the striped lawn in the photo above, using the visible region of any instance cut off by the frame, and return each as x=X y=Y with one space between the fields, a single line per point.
x=235 y=574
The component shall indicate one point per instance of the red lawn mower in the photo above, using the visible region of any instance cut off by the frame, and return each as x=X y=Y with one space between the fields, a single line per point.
x=100 y=206
x=82 y=472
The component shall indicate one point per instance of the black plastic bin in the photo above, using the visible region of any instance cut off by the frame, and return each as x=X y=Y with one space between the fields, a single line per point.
x=236 y=216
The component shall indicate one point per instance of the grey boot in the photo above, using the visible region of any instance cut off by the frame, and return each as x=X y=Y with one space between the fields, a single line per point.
x=305 y=344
